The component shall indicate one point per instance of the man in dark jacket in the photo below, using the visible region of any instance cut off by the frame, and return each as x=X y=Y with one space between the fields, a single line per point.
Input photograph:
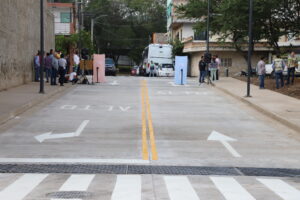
x=202 y=69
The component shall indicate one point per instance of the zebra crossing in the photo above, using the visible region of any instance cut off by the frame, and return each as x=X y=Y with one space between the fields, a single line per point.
x=136 y=187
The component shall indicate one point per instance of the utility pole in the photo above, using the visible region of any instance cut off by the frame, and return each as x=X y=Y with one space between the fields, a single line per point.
x=42 y=47
x=92 y=30
x=208 y=55
x=250 y=49
x=79 y=25
x=208 y=26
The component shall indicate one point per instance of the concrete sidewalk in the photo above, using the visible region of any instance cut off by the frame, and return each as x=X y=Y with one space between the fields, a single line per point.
x=17 y=100
x=280 y=107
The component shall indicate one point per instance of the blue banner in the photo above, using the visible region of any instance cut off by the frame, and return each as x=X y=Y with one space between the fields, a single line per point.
x=181 y=63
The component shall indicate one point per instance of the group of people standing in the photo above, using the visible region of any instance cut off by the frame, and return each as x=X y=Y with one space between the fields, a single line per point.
x=278 y=66
x=55 y=64
x=211 y=69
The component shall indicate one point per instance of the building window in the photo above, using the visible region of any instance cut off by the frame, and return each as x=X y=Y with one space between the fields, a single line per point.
x=181 y=34
x=65 y=17
x=200 y=35
x=177 y=36
x=226 y=62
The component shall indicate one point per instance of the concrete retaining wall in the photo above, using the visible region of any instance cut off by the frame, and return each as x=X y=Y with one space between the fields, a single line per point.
x=20 y=40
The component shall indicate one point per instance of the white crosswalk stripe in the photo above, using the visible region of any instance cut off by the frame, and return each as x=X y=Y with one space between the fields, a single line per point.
x=132 y=187
x=281 y=188
x=179 y=187
x=128 y=187
x=22 y=187
x=231 y=189
x=76 y=183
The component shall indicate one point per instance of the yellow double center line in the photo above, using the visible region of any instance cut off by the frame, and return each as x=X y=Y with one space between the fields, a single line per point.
x=147 y=116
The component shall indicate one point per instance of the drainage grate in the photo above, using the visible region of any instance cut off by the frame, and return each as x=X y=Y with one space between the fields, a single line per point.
x=63 y=169
x=70 y=195
x=146 y=169
x=270 y=172
x=182 y=170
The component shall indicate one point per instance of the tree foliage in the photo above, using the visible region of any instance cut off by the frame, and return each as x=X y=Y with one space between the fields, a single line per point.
x=65 y=43
x=177 y=49
x=124 y=27
x=272 y=19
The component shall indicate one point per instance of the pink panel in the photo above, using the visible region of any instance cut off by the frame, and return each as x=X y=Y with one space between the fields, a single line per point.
x=99 y=66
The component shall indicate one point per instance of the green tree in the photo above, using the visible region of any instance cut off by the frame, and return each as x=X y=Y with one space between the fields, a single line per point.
x=272 y=19
x=126 y=25
x=65 y=43
x=177 y=49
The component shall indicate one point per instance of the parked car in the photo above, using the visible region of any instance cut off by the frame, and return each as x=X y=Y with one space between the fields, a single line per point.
x=245 y=73
x=270 y=71
x=134 y=71
x=165 y=70
x=110 y=67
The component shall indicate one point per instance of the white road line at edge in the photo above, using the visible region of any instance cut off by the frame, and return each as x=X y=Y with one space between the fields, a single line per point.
x=179 y=188
x=22 y=187
x=128 y=187
x=231 y=189
x=73 y=161
x=282 y=189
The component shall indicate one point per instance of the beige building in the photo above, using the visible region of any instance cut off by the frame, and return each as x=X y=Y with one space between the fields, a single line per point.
x=195 y=44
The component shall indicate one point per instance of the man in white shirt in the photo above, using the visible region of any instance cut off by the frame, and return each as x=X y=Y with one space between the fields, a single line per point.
x=62 y=63
x=76 y=60
x=73 y=78
x=261 y=71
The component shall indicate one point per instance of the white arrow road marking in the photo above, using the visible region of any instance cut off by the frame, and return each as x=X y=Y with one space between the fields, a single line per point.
x=192 y=93
x=282 y=189
x=87 y=107
x=110 y=108
x=81 y=127
x=215 y=136
x=164 y=92
x=179 y=188
x=128 y=187
x=22 y=187
x=231 y=189
x=68 y=107
x=124 y=109
x=48 y=136
x=114 y=83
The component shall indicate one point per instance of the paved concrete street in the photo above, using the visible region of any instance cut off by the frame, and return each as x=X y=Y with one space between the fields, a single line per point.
x=146 y=138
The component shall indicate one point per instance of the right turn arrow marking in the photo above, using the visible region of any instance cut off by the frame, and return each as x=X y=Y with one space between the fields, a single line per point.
x=216 y=136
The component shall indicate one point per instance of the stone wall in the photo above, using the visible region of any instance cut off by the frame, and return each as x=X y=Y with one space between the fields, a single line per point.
x=20 y=39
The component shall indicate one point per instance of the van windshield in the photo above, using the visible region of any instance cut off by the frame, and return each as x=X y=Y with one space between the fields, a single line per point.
x=109 y=61
x=170 y=66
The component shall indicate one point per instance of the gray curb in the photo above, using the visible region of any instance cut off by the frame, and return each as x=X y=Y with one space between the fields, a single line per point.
x=260 y=109
x=42 y=97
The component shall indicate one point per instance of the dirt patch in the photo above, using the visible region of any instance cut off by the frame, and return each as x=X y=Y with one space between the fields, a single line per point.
x=290 y=90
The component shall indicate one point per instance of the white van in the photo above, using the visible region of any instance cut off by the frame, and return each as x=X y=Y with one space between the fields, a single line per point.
x=166 y=70
x=159 y=54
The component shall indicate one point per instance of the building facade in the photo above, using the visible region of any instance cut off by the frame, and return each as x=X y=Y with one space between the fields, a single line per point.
x=195 y=44
x=64 y=18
